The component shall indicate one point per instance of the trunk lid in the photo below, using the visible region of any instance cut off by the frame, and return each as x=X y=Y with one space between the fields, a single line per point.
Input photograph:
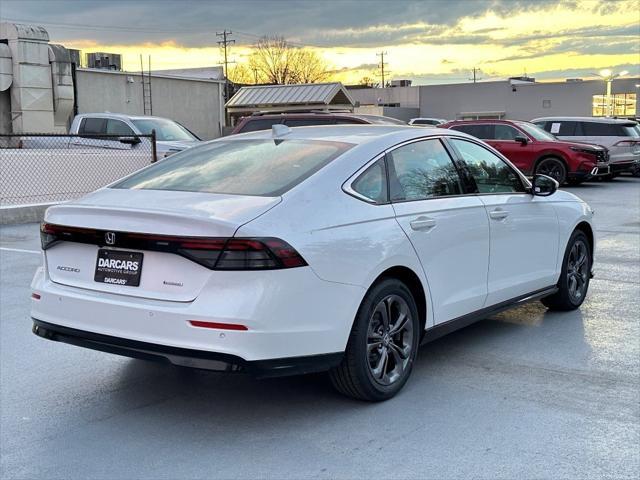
x=163 y=275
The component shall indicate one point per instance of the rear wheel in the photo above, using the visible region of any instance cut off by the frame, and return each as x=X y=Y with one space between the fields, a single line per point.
x=554 y=168
x=382 y=346
x=576 y=272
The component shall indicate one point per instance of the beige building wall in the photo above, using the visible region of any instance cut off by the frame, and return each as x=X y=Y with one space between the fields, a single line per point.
x=195 y=103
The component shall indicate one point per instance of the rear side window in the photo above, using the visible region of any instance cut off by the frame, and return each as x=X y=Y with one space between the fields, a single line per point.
x=490 y=173
x=422 y=170
x=348 y=121
x=259 y=124
x=372 y=184
x=483 y=132
x=242 y=167
x=93 y=126
x=306 y=122
x=597 y=129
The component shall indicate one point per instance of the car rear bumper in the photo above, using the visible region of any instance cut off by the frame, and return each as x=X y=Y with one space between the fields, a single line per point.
x=287 y=313
x=184 y=357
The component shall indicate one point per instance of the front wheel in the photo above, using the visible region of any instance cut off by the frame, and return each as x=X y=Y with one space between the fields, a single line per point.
x=552 y=167
x=575 y=276
x=382 y=346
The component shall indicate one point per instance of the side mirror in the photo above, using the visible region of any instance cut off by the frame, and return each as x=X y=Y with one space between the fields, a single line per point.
x=543 y=186
x=522 y=140
x=129 y=140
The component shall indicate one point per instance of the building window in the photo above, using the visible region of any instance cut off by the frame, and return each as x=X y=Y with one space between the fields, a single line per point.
x=624 y=105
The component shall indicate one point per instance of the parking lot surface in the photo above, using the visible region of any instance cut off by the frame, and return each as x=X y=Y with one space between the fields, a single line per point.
x=525 y=394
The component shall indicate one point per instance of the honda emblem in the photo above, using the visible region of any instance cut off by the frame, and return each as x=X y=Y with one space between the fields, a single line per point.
x=110 y=238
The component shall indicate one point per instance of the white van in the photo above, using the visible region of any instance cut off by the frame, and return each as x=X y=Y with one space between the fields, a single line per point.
x=620 y=136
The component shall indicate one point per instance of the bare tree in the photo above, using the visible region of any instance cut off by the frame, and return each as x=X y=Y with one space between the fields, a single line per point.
x=368 y=81
x=242 y=74
x=274 y=60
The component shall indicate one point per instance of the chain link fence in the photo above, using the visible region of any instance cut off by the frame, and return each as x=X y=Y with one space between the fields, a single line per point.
x=45 y=168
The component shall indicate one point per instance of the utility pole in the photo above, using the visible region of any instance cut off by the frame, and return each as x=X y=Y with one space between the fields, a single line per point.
x=224 y=43
x=382 y=64
x=475 y=78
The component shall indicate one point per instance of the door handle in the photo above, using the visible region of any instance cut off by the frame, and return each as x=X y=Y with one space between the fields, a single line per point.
x=498 y=214
x=423 y=223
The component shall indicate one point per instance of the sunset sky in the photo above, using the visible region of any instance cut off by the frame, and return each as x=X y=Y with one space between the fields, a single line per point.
x=429 y=41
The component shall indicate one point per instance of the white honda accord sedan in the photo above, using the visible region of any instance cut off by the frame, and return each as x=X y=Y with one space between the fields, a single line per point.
x=290 y=251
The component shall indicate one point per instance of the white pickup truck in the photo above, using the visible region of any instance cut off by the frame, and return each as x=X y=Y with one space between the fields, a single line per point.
x=171 y=137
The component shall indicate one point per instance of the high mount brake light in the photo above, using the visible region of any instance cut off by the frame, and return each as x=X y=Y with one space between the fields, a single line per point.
x=214 y=253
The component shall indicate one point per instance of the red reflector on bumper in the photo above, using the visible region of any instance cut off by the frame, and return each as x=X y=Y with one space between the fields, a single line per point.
x=220 y=326
x=35 y=296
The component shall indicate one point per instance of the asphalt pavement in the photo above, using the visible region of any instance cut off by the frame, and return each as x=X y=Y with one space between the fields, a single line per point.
x=525 y=394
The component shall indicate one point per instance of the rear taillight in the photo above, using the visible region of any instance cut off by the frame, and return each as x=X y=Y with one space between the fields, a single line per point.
x=214 y=253
x=626 y=143
x=243 y=254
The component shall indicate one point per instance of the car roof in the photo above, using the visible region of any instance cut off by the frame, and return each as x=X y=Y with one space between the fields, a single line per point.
x=259 y=115
x=120 y=116
x=354 y=134
x=586 y=119
x=486 y=120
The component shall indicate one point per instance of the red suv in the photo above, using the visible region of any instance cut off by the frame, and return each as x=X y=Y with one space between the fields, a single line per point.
x=263 y=121
x=534 y=150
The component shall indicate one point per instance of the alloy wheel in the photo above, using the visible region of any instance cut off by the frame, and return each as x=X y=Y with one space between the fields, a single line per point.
x=578 y=270
x=390 y=340
x=553 y=169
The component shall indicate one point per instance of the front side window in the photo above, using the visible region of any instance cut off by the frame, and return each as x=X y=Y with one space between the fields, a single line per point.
x=490 y=173
x=563 y=128
x=242 y=167
x=505 y=132
x=117 y=127
x=422 y=170
x=372 y=184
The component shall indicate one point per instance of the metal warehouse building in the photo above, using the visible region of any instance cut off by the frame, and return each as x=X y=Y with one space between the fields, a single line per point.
x=512 y=99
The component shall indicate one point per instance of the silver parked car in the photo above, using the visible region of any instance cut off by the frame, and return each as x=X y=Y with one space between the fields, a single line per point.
x=171 y=137
x=620 y=136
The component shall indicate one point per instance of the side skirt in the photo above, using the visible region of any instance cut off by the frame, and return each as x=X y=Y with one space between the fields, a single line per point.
x=449 y=326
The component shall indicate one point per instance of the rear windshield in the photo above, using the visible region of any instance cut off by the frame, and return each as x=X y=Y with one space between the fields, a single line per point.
x=242 y=167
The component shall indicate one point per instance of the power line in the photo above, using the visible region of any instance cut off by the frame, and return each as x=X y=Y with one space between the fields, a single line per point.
x=474 y=71
x=224 y=43
x=382 y=65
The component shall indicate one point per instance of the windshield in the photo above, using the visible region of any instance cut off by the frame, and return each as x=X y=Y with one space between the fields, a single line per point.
x=242 y=167
x=166 y=130
x=536 y=132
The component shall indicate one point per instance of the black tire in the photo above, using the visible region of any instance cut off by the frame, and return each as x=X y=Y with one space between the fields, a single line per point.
x=554 y=168
x=609 y=176
x=566 y=298
x=356 y=376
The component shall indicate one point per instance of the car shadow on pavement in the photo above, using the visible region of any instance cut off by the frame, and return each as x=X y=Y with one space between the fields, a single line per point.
x=148 y=383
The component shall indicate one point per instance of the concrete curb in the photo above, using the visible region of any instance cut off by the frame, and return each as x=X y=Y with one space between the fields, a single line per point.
x=17 y=214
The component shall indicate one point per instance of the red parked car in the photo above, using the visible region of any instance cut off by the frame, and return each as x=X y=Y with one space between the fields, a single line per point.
x=262 y=121
x=534 y=150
